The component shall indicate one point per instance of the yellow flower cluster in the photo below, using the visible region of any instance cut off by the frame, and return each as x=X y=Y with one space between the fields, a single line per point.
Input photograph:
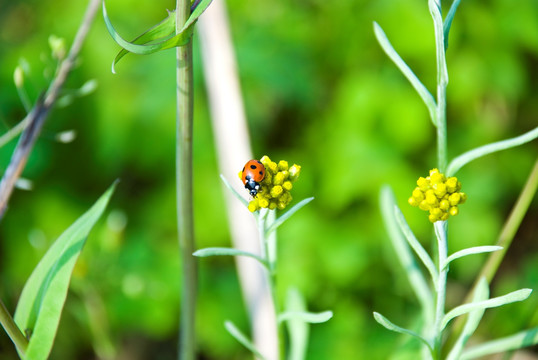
x=438 y=195
x=276 y=185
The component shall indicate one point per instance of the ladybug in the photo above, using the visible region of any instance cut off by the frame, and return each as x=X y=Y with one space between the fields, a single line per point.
x=253 y=174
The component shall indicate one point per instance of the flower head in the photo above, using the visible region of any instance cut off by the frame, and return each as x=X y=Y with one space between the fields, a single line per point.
x=275 y=187
x=438 y=195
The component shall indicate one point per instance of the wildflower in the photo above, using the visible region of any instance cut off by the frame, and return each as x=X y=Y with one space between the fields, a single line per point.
x=274 y=192
x=438 y=195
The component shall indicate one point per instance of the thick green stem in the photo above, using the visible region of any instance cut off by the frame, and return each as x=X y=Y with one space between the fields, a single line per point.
x=13 y=330
x=184 y=121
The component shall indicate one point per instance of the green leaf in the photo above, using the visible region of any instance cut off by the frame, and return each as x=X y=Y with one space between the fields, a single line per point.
x=481 y=294
x=435 y=11
x=158 y=34
x=470 y=251
x=406 y=70
x=390 y=326
x=287 y=215
x=242 y=338
x=448 y=20
x=403 y=253
x=309 y=317
x=471 y=155
x=234 y=192
x=162 y=30
x=513 y=342
x=219 y=251
x=298 y=329
x=415 y=244
x=514 y=296
x=43 y=296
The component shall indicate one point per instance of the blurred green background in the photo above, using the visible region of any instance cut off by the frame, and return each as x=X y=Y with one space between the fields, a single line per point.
x=319 y=92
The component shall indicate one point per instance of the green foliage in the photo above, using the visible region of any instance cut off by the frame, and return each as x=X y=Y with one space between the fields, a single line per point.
x=354 y=123
x=41 y=302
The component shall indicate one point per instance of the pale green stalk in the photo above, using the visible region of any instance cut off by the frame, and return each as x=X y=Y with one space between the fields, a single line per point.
x=440 y=233
x=265 y=219
x=184 y=121
x=13 y=330
x=441 y=228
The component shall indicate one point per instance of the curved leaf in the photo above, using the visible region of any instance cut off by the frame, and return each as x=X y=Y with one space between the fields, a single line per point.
x=406 y=70
x=242 y=338
x=448 y=20
x=40 y=305
x=415 y=244
x=219 y=251
x=309 y=317
x=162 y=30
x=514 y=296
x=162 y=34
x=513 y=342
x=287 y=215
x=471 y=155
x=470 y=251
x=390 y=326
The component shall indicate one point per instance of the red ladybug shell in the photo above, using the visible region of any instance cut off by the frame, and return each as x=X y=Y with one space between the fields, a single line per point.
x=253 y=174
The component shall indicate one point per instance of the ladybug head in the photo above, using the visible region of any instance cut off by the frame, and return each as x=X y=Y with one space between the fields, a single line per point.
x=252 y=186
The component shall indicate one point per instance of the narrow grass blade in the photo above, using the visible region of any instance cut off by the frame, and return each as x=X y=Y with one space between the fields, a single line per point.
x=406 y=70
x=299 y=330
x=415 y=244
x=470 y=251
x=471 y=155
x=220 y=251
x=242 y=338
x=234 y=192
x=514 y=296
x=390 y=326
x=43 y=296
x=448 y=20
x=401 y=248
x=481 y=294
x=287 y=215
x=513 y=342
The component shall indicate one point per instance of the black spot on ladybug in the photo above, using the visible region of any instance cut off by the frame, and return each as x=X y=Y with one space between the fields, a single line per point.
x=253 y=167
x=243 y=168
x=259 y=162
x=261 y=172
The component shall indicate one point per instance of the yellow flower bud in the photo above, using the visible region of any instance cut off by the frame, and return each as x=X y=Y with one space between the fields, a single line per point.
x=282 y=165
x=454 y=211
x=276 y=191
x=272 y=205
x=439 y=189
x=418 y=195
x=278 y=179
x=463 y=197
x=454 y=199
x=424 y=205
x=436 y=178
x=451 y=184
x=287 y=185
x=444 y=204
x=295 y=170
x=263 y=202
x=423 y=184
x=412 y=201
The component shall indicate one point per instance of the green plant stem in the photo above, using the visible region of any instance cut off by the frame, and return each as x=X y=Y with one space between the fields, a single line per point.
x=184 y=121
x=268 y=249
x=506 y=236
x=13 y=330
x=440 y=232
